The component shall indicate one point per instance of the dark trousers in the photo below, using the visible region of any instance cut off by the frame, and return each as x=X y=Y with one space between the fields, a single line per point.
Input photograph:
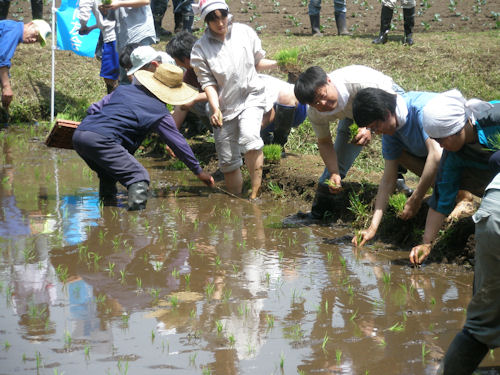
x=110 y=160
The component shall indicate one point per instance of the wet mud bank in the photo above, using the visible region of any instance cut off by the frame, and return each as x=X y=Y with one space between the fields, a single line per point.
x=297 y=177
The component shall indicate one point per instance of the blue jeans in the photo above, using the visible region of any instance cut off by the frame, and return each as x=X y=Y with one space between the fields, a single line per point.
x=315 y=7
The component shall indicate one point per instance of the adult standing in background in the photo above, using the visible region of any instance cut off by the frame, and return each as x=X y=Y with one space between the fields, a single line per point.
x=183 y=15
x=386 y=18
x=340 y=10
x=36 y=9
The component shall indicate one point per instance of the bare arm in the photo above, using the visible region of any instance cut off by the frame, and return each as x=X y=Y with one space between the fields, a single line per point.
x=385 y=188
x=7 y=93
x=213 y=101
x=266 y=64
x=115 y=4
x=329 y=156
x=426 y=180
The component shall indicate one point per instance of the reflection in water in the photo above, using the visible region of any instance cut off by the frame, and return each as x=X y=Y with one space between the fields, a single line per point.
x=201 y=281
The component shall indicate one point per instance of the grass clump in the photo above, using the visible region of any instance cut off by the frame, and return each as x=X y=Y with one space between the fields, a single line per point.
x=397 y=202
x=177 y=165
x=272 y=153
x=287 y=57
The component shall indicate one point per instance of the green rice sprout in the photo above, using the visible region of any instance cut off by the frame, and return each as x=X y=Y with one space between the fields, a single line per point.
x=353 y=130
x=275 y=189
x=325 y=341
x=272 y=153
x=338 y=356
x=287 y=57
x=397 y=327
x=397 y=202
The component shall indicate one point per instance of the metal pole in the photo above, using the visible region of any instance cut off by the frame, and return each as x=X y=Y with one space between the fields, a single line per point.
x=52 y=87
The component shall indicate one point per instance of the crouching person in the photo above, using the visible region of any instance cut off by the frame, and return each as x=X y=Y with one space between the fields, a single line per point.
x=481 y=331
x=116 y=126
x=400 y=119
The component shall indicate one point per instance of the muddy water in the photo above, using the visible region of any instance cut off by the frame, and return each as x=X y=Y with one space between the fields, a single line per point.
x=200 y=283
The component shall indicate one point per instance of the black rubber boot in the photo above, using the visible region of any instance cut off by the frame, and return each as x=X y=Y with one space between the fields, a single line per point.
x=409 y=22
x=463 y=356
x=322 y=204
x=316 y=30
x=385 y=25
x=138 y=196
x=341 y=24
x=37 y=9
x=4 y=9
x=283 y=121
x=187 y=22
x=107 y=191
x=177 y=22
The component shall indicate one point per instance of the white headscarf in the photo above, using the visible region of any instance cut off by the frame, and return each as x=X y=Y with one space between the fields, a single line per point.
x=447 y=113
x=206 y=6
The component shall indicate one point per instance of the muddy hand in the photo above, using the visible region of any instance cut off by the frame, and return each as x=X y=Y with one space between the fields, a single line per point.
x=363 y=137
x=206 y=178
x=419 y=253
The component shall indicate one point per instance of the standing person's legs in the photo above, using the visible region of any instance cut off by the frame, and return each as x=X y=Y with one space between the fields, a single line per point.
x=340 y=11
x=228 y=153
x=482 y=327
x=158 y=8
x=314 y=16
x=4 y=9
x=385 y=21
x=251 y=145
x=112 y=162
x=409 y=20
x=110 y=67
x=37 y=9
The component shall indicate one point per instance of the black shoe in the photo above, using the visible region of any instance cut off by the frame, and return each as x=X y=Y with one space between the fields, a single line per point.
x=408 y=40
x=381 y=39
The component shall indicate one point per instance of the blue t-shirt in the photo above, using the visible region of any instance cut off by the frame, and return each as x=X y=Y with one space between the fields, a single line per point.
x=11 y=34
x=411 y=136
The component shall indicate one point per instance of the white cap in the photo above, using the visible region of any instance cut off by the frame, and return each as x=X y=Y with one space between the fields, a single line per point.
x=206 y=6
x=43 y=30
x=141 y=56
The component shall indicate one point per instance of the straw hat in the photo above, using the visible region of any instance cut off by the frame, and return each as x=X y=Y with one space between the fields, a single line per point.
x=206 y=6
x=166 y=84
x=43 y=30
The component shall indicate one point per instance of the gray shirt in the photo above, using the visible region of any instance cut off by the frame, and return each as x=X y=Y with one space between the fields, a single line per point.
x=230 y=66
x=106 y=26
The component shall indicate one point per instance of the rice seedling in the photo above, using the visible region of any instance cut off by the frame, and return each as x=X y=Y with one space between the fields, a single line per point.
x=153 y=335
x=122 y=369
x=187 y=279
x=397 y=202
x=206 y=370
x=226 y=213
x=397 y=327
x=174 y=301
x=67 y=339
x=275 y=189
x=123 y=274
x=287 y=57
x=359 y=236
x=270 y=321
x=329 y=256
x=231 y=339
x=192 y=313
x=155 y=294
x=325 y=341
x=386 y=278
x=219 y=326
x=236 y=269
x=38 y=359
x=338 y=356
x=242 y=309
x=272 y=153
x=175 y=273
x=425 y=351
x=192 y=358
x=359 y=209
x=227 y=294
x=6 y=345
x=213 y=227
x=111 y=267
x=433 y=301
x=86 y=350
x=353 y=131
x=196 y=223
x=138 y=282
x=209 y=290
x=218 y=261
x=353 y=316
x=282 y=360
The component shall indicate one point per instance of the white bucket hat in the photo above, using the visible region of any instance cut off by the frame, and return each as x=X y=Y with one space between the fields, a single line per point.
x=43 y=30
x=206 y=6
x=166 y=84
x=141 y=56
x=447 y=113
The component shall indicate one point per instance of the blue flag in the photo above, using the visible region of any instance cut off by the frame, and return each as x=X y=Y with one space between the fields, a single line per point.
x=68 y=25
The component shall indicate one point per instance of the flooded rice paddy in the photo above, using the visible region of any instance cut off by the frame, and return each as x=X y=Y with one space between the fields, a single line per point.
x=200 y=282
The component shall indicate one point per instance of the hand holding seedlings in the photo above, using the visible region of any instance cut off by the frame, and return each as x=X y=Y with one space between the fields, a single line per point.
x=363 y=236
x=334 y=183
x=363 y=137
x=419 y=253
x=411 y=208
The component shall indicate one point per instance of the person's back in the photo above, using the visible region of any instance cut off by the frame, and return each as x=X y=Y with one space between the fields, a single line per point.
x=133 y=25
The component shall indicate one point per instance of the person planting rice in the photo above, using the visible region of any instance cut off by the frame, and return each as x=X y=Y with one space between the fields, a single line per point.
x=116 y=126
x=226 y=60
x=468 y=131
x=404 y=141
